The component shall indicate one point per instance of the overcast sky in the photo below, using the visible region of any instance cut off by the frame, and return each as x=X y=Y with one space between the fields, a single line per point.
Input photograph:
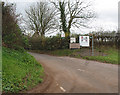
x=106 y=10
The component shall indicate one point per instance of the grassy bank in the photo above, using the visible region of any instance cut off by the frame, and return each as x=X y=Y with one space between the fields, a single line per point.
x=20 y=71
x=111 y=56
x=108 y=55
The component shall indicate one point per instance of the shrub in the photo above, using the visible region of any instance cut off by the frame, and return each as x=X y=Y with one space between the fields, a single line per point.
x=12 y=34
x=19 y=48
x=49 y=43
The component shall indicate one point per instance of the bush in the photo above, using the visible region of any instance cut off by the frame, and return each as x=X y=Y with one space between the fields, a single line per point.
x=49 y=43
x=12 y=35
x=19 y=48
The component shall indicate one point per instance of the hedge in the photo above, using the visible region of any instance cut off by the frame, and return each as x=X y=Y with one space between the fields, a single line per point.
x=49 y=43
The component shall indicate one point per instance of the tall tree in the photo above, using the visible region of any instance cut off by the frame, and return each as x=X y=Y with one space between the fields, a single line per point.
x=41 y=18
x=63 y=17
x=74 y=13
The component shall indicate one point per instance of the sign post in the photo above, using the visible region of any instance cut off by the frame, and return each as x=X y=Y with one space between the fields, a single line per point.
x=92 y=46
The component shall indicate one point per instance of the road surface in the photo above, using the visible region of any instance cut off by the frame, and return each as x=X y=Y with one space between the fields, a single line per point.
x=72 y=75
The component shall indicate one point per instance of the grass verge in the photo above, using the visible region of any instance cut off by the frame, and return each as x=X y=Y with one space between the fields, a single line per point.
x=20 y=71
x=110 y=57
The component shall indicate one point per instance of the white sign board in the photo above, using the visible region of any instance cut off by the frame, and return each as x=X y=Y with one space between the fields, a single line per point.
x=72 y=40
x=84 y=41
x=62 y=34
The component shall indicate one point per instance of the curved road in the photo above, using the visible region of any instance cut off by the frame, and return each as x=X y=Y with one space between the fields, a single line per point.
x=72 y=75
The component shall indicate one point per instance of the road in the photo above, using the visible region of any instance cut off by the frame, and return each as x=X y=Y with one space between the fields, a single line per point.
x=72 y=75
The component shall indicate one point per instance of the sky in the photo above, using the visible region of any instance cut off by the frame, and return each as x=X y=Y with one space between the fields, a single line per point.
x=106 y=14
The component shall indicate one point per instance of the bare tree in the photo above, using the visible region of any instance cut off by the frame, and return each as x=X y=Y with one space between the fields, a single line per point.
x=74 y=13
x=41 y=18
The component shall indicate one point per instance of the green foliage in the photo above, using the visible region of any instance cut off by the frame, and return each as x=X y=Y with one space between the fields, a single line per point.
x=11 y=32
x=25 y=41
x=19 y=48
x=20 y=71
x=49 y=43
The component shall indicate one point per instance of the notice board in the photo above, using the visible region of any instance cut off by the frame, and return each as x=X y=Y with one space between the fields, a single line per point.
x=84 y=41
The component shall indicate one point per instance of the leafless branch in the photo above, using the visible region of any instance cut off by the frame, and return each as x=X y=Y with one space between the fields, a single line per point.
x=41 y=18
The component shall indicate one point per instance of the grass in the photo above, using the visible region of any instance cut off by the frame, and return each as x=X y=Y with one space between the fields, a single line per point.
x=20 y=71
x=0 y=69
x=111 y=57
x=111 y=54
x=59 y=52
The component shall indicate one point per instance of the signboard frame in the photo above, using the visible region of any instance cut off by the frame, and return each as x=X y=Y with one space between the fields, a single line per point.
x=84 y=41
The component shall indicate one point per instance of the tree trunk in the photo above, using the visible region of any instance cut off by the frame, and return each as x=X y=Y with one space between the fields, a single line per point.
x=67 y=34
x=42 y=34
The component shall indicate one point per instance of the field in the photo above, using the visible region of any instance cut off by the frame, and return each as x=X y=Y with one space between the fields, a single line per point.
x=20 y=71
x=103 y=54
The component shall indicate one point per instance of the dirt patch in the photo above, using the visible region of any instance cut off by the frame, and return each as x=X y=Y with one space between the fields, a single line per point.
x=88 y=52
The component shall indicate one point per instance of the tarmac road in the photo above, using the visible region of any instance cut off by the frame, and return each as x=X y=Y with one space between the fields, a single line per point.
x=72 y=75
